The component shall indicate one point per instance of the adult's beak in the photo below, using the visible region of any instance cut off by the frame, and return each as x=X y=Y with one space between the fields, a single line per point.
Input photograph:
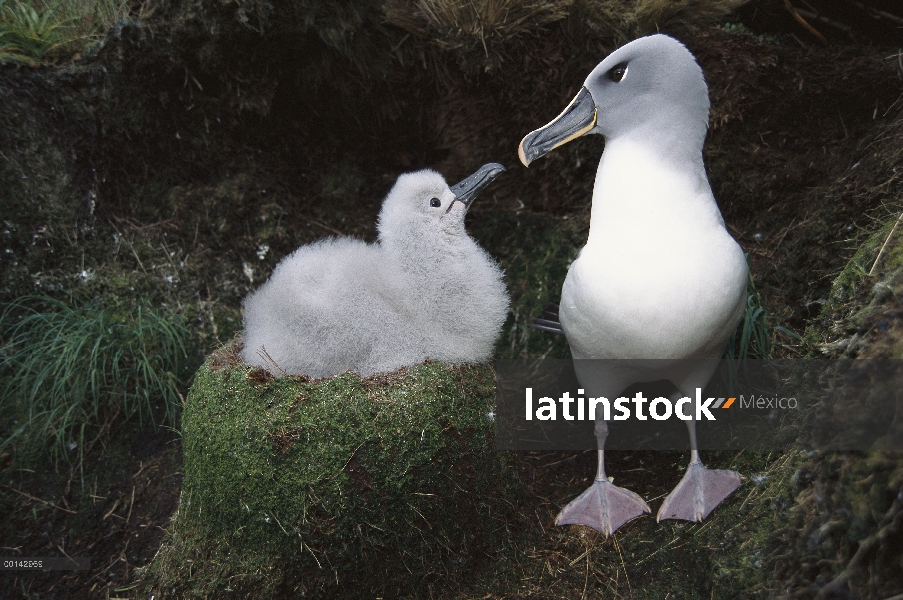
x=465 y=191
x=577 y=119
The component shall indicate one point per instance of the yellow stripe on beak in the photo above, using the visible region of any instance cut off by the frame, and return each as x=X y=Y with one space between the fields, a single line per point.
x=577 y=119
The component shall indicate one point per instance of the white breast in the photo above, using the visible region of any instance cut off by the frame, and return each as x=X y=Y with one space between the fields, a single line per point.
x=660 y=277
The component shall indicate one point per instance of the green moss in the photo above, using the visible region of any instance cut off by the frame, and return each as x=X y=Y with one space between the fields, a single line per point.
x=341 y=485
x=861 y=317
x=838 y=503
x=836 y=536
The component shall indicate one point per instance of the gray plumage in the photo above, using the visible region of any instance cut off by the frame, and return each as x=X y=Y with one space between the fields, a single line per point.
x=425 y=290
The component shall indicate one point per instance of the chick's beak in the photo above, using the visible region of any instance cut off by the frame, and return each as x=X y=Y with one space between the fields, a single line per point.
x=465 y=191
x=578 y=118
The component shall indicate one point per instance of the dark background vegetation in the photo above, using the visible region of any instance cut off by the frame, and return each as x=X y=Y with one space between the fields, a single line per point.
x=172 y=163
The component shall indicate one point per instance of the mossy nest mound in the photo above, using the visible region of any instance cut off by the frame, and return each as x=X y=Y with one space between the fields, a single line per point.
x=334 y=487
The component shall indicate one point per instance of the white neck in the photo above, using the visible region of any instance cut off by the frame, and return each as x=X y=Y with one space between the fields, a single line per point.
x=643 y=189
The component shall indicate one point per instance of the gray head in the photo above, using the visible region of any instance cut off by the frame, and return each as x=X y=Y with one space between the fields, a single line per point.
x=422 y=204
x=651 y=88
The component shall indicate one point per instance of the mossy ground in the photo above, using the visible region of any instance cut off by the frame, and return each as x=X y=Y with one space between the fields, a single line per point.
x=862 y=317
x=340 y=487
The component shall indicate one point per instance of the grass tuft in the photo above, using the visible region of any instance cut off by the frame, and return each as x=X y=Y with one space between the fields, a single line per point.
x=457 y=21
x=754 y=336
x=32 y=32
x=26 y=34
x=68 y=367
x=461 y=25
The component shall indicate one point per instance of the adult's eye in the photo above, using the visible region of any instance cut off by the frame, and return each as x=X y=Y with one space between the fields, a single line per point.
x=617 y=72
x=435 y=202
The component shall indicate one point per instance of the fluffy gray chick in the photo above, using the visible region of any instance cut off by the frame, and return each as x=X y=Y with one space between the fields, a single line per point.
x=424 y=290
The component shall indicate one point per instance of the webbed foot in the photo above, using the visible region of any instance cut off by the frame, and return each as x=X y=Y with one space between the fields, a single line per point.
x=698 y=493
x=604 y=507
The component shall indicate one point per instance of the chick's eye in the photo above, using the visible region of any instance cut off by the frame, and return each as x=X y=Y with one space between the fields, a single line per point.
x=435 y=202
x=617 y=72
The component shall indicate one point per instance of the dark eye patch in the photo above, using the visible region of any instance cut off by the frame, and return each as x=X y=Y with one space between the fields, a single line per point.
x=618 y=72
x=435 y=202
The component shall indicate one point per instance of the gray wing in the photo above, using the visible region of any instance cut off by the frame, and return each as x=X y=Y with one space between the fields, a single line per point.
x=548 y=320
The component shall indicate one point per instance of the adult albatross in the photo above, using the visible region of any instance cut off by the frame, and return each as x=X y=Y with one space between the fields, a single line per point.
x=659 y=277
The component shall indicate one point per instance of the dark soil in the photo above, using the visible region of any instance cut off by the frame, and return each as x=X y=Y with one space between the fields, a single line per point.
x=114 y=513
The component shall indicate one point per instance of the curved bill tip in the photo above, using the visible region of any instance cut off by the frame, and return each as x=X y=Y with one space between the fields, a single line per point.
x=578 y=118
x=520 y=152
x=466 y=191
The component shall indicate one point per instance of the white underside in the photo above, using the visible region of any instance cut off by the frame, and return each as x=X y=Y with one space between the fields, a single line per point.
x=660 y=277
